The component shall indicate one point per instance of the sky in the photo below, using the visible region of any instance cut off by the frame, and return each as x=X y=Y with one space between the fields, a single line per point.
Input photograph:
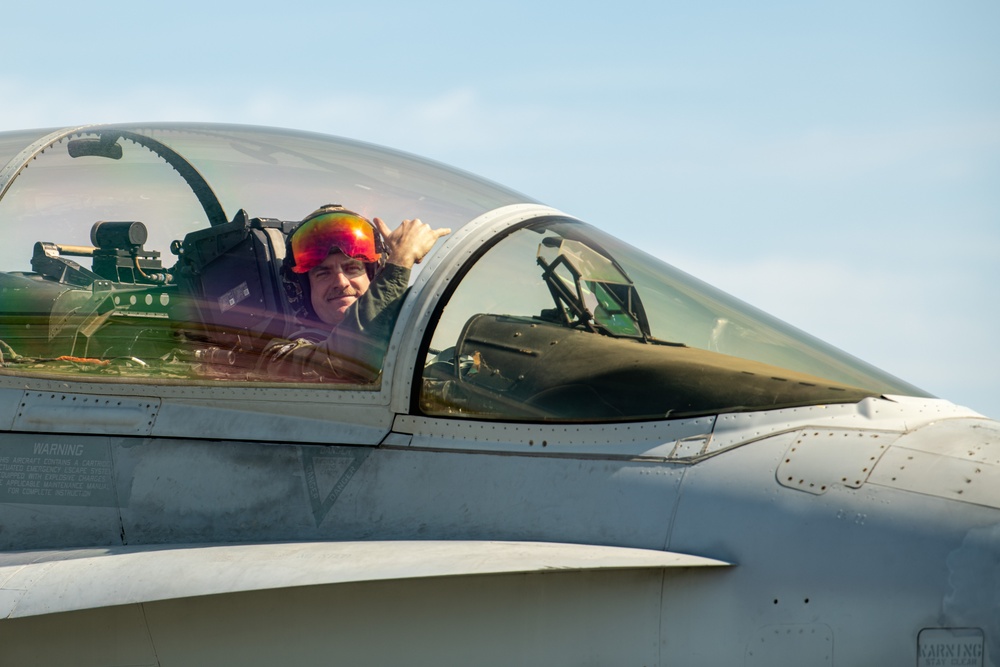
x=834 y=164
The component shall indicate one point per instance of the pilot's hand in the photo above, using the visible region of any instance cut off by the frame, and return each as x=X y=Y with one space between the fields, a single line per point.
x=408 y=243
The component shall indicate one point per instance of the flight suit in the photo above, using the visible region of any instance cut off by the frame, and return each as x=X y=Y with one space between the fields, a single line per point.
x=354 y=351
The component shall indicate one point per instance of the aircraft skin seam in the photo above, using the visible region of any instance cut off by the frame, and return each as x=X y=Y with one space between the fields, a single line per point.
x=550 y=455
x=675 y=510
x=118 y=500
x=149 y=635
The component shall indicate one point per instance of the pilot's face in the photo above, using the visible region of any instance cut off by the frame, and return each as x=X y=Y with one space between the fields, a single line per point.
x=335 y=284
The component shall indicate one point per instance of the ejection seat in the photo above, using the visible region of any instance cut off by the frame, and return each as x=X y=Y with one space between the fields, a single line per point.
x=232 y=274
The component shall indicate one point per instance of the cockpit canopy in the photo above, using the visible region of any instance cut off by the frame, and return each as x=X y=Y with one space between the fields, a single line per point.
x=151 y=254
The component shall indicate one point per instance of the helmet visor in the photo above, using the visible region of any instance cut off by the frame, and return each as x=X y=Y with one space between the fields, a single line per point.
x=344 y=231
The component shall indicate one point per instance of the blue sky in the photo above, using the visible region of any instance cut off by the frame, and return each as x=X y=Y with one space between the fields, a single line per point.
x=835 y=164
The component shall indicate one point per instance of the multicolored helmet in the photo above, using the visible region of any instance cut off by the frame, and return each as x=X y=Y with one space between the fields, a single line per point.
x=330 y=228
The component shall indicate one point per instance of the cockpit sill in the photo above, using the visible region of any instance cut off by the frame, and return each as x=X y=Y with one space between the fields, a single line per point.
x=681 y=440
x=234 y=415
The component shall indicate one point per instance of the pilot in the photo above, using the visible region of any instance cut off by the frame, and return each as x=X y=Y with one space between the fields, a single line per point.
x=345 y=278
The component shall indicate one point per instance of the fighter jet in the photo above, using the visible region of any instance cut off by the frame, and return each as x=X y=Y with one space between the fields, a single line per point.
x=567 y=453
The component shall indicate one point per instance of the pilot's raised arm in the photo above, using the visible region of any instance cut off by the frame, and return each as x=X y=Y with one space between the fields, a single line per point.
x=346 y=277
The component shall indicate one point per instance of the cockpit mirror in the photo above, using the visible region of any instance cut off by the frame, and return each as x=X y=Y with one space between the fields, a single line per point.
x=105 y=146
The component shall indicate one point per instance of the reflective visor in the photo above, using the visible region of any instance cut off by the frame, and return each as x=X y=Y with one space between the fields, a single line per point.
x=318 y=237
